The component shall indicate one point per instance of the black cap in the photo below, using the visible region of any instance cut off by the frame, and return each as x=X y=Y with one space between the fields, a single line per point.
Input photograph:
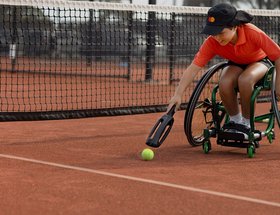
x=224 y=15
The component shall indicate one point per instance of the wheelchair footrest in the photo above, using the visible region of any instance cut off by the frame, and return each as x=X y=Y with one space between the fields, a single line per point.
x=232 y=139
x=232 y=136
x=234 y=144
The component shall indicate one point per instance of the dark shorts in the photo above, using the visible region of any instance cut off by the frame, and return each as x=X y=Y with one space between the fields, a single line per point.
x=264 y=61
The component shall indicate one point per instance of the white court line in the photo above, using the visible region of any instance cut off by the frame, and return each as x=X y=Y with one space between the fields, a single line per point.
x=143 y=180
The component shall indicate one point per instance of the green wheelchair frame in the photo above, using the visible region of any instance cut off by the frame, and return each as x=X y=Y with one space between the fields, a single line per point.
x=209 y=107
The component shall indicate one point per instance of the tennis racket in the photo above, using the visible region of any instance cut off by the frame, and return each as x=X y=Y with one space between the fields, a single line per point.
x=161 y=129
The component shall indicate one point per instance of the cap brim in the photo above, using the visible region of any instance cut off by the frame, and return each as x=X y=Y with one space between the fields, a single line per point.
x=212 y=29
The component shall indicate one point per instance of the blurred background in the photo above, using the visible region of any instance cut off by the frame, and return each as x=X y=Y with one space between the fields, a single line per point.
x=53 y=53
x=252 y=4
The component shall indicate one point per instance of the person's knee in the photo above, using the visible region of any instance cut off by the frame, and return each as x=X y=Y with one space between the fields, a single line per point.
x=245 y=82
x=226 y=84
x=228 y=81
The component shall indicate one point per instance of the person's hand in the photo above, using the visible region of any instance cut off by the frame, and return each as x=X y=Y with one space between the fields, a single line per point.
x=175 y=100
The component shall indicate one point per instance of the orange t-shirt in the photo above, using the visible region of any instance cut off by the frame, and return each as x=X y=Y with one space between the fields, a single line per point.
x=252 y=45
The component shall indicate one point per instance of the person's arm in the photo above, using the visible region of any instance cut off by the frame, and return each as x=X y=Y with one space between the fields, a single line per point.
x=203 y=56
x=277 y=84
x=187 y=78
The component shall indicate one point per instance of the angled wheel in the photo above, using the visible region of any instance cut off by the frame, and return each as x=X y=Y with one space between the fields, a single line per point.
x=198 y=115
x=251 y=150
x=206 y=146
x=271 y=136
x=275 y=100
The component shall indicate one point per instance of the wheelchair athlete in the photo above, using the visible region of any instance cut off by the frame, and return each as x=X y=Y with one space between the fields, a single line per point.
x=248 y=51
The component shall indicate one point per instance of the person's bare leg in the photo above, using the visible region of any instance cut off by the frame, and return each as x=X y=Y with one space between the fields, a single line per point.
x=227 y=88
x=246 y=81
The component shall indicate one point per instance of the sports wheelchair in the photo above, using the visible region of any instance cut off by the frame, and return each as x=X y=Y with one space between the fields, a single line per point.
x=205 y=114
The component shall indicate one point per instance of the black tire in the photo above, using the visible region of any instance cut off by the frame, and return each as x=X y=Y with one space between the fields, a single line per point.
x=275 y=101
x=196 y=118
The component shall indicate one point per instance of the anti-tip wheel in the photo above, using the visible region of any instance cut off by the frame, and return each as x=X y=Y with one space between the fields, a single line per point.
x=251 y=151
x=206 y=146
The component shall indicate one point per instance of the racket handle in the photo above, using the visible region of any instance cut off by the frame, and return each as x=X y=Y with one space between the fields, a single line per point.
x=171 y=112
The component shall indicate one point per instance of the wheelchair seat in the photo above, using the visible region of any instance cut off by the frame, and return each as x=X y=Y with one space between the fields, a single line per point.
x=266 y=81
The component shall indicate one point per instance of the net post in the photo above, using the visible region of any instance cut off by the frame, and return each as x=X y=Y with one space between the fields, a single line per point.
x=89 y=39
x=130 y=28
x=171 y=48
x=150 y=38
x=13 y=46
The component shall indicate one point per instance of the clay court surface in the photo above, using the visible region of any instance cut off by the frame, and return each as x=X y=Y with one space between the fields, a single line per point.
x=93 y=166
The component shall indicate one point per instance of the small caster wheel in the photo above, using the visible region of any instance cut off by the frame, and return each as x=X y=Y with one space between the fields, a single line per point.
x=206 y=146
x=251 y=151
x=271 y=136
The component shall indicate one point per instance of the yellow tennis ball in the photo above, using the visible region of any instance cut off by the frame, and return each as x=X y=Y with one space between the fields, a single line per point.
x=147 y=154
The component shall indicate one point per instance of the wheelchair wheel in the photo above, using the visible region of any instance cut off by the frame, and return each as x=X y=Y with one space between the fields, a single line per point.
x=275 y=100
x=206 y=146
x=251 y=151
x=198 y=115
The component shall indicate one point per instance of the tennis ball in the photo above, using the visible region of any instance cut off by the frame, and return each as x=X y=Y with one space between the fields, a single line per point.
x=147 y=154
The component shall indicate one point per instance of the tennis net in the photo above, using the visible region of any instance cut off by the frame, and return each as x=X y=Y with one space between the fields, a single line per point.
x=70 y=59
